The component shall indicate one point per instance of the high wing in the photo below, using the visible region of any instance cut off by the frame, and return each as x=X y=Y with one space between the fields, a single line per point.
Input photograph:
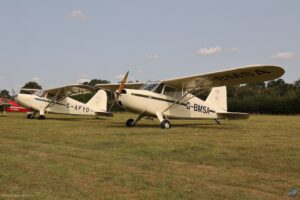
x=70 y=90
x=115 y=86
x=29 y=91
x=241 y=75
x=57 y=94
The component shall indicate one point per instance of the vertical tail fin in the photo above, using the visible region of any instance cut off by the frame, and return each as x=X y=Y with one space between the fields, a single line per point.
x=98 y=101
x=218 y=97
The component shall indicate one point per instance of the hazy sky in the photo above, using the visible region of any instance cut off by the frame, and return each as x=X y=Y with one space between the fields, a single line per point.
x=60 y=42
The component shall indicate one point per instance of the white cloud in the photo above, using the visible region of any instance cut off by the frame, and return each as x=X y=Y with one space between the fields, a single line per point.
x=77 y=15
x=83 y=78
x=36 y=79
x=232 y=49
x=119 y=77
x=209 y=51
x=152 y=56
x=283 y=55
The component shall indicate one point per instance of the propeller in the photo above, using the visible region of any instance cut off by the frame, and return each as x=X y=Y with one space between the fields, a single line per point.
x=13 y=92
x=118 y=92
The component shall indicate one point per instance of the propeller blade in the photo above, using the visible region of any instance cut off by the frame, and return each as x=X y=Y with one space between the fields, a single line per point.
x=13 y=92
x=122 y=85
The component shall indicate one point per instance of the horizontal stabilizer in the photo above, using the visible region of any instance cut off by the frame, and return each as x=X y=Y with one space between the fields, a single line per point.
x=105 y=114
x=232 y=115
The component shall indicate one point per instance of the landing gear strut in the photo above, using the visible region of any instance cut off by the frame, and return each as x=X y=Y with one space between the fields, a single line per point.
x=164 y=121
x=132 y=122
x=218 y=122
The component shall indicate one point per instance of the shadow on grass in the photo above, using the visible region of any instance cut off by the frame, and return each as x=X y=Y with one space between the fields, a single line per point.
x=74 y=119
x=174 y=125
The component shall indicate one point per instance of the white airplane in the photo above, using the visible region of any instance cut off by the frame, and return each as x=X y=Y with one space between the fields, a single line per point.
x=177 y=98
x=58 y=101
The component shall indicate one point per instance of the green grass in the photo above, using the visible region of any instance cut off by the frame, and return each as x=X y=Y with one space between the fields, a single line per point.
x=67 y=157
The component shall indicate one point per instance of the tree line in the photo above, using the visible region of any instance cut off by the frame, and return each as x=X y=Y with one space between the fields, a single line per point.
x=273 y=97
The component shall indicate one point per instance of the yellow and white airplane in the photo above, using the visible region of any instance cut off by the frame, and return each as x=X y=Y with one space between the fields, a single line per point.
x=177 y=98
x=58 y=100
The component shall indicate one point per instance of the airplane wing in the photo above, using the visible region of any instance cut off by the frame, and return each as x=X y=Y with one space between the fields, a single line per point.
x=115 y=86
x=60 y=93
x=70 y=90
x=29 y=91
x=241 y=75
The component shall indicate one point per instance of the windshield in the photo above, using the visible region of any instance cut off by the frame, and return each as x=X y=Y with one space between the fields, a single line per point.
x=151 y=86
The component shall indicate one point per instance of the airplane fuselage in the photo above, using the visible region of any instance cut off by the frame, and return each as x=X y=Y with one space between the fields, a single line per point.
x=65 y=106
x=153 y=104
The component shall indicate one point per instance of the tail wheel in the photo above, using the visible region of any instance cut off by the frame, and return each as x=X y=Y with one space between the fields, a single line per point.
x=129 y=123
x=165 y=124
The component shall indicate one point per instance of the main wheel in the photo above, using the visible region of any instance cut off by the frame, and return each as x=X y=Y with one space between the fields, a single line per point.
x=30 y=116
x=165 y=124
x=42 y=117
x=129 y=123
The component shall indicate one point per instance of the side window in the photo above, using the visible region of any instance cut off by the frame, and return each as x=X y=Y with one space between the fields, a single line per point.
x=159 y=89
x=169 y=91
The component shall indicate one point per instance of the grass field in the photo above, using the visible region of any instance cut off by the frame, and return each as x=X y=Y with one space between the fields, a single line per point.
x=68 y=157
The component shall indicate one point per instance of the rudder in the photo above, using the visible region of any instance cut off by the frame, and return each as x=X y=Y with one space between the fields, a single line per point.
x=98 y=101
x=218 y=97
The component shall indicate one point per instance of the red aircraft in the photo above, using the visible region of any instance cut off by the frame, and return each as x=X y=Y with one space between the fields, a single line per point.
x=11 y=106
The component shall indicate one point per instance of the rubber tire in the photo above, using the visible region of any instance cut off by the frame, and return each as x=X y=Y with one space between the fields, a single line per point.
x=42 y=117
x=129 y=122
x=30 y=116
x=165 y=124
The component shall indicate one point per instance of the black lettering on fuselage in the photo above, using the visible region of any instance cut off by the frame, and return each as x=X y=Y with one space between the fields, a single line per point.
x=197 y=108
x=188 y=105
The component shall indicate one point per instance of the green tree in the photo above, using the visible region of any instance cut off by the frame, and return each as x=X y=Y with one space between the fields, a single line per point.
x=32 y=85
x=94 y=82
x=5 y=94
x=297 y=83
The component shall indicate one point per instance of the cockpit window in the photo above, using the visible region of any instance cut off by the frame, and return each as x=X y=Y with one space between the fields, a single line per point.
x=169 y=91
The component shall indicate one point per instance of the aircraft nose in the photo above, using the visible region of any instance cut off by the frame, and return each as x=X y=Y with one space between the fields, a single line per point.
x=19 y=99
x=16 y=98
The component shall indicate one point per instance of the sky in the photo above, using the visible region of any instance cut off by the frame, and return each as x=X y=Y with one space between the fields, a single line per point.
x=62 y=42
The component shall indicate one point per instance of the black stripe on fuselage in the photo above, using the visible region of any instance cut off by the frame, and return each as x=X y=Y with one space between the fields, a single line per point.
x=159 y=99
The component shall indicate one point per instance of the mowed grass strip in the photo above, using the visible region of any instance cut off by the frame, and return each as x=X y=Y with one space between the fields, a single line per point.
x=67 y=157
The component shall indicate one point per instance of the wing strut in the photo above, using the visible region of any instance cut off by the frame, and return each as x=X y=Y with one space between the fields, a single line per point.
x=183 y=96
x=54 y=100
